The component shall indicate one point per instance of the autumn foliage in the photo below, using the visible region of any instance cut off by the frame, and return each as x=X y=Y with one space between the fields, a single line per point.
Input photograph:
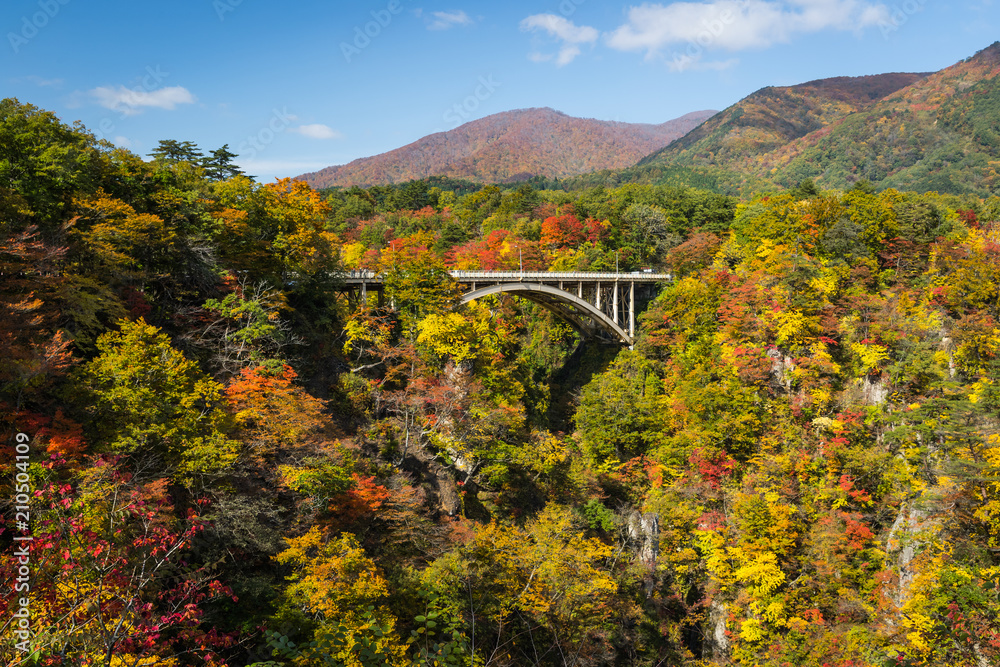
x=233 y=459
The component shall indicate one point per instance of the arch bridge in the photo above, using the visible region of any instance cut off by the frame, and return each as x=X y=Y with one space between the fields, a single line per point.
x=596 y=304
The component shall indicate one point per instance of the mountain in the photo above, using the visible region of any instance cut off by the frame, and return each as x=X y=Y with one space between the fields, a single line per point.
x=915 y=131
x=924 y=132
x=513 y=145
x=941 y=133
x=772 y=117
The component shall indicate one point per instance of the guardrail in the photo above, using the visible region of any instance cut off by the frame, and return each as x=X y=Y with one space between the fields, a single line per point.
x=542 y=276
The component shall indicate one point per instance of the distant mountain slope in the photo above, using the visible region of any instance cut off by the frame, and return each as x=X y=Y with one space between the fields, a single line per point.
x=513 y=145
x=940 y=133
x=772 y=117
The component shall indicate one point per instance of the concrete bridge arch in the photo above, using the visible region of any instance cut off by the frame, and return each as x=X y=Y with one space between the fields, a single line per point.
x=568 y=306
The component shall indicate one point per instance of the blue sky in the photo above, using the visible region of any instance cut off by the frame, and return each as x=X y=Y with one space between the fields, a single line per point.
x=294 y=87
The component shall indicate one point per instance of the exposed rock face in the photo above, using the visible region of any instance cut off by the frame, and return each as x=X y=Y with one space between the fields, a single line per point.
x=644 y=533
x=782 y=366
x=451 y=502
x=915 y=526
x=948 y=345
x=873 y=390
x=869 y=390
x=902 y=542
x=437 y=480
x=716 y=647
x=457 y=380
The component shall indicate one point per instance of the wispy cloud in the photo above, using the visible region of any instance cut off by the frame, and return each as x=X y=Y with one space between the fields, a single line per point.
x=317 y=131
x=131 y=102
x=44 y=83
x=537 y=57
x=562 y=29
x=445 y=20
x=737 y=25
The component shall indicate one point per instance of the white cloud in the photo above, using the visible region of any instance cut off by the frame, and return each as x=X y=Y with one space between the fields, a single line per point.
x=317 y=131
x=570 y=34
x=735 y=25
x=560 y=27
x=132 y=101
x=124 y=142
x=567 y=54
x=445 y=20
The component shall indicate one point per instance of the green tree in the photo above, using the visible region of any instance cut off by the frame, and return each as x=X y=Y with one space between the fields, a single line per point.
x=617 y=414
x=417 y=283
x=247 y=330
x=149 y=402
x=171 y=151
x=649 y=232
x=43 y=163
x=219 y=165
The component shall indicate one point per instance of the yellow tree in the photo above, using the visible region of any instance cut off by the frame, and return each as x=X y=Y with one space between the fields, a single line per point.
x=536 y=592
x=336 y=584
x=117 y=241
x=147 y=401
x=274 y=231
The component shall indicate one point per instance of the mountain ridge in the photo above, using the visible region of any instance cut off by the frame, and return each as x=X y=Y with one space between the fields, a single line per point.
x=908 y=130
x=510 y=146
x=939 y=133
x=775 y=115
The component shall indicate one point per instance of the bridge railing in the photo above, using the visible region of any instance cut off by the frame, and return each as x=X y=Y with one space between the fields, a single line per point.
x=363 y=274
x=543 y=276
x=638 y=276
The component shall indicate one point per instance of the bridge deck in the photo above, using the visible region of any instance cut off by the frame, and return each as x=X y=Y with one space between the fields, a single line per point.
x=590 y=300
x=357 y=277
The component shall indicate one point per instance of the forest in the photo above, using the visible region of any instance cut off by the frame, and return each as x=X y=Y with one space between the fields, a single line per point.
x=227 y=461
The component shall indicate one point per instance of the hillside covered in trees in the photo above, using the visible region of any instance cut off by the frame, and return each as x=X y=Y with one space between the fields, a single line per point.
x=908 y=131
x=920 y=132
x=232 y=463
x=938 y=134
x=772 y=117
x=512 y=146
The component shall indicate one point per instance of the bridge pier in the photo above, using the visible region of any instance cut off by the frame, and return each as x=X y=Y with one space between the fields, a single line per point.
x=631 y=310
x=614 y=304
